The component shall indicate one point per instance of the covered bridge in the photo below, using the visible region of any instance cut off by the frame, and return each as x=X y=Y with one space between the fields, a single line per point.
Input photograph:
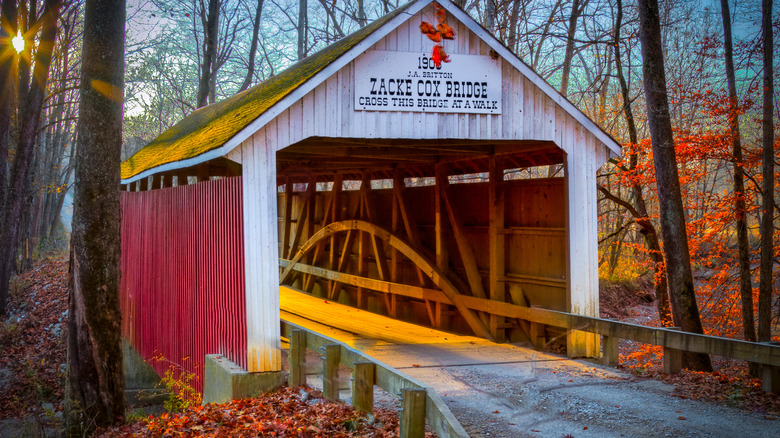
x=368 y=175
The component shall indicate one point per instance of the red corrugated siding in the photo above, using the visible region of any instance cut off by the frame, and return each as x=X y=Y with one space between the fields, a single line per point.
x=183 y=293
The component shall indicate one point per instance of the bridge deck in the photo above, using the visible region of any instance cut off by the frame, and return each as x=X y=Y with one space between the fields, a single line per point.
x=511 y=391
x=400 y=344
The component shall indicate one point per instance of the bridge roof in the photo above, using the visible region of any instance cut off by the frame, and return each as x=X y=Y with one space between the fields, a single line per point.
x=213 y=131
x=210 y=127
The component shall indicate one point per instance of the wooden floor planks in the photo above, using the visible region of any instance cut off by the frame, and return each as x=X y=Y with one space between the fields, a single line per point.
x=298 y=308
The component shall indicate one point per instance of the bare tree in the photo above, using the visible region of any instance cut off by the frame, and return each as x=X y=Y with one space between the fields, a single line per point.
x=639 y=207
x=768 y=167
x=250 y=72
x=8 y=19
x=577 y=7
x=29 y=120
x=303 y=24
x=210 y=20
x=745 y=276
x=685 y=311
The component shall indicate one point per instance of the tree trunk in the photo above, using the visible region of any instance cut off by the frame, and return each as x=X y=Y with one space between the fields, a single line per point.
x=303 y=23
x=648 y=231
x=210 y=39
x=96 y=380
x=337 y=31
x=490 y=15
x=361 y=13
x=511 y=40
x=768 y=196
x=253 y=48
x=685 y=311
x=7 y=28
x=18 y=185
x=745 y=276
x=576 y=11
x=544 y=34
x=23 y=65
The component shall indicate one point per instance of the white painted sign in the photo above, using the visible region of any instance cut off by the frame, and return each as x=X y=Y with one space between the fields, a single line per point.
x=410 y=81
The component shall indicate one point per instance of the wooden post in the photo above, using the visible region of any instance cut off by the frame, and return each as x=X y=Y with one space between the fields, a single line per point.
x=672 y=358
x=144 y=185
x=497 y=287
x=168 y=180
x=537 y=334
x=297 y=358
x=363 y=386
x=771 y=378
x=261 y=259
x=580 y=168
x=338 y=186
x=362 y=268
x=182 y=179
x=397 y=182
x=330 y=371
x=203 y=172
x=288 y=201
x=538 y=339
x=611 y=355
x=442 y=256
x=412 y=413
x=770 y=375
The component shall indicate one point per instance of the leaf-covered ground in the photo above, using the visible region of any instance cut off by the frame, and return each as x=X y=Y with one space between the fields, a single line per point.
x=33 y=342
x=730 y=383
x=33 y=350
x=288 y=412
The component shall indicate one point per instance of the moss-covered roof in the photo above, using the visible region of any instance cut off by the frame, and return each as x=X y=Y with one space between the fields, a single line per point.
x=210 y=127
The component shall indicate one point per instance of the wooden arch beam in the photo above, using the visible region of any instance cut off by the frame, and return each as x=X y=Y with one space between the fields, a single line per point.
x=430 y=269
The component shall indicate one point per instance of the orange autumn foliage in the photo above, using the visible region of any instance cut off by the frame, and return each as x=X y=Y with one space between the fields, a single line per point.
x=705 y=163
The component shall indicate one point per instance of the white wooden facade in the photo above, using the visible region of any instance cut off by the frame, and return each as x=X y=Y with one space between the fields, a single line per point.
x=324 y=107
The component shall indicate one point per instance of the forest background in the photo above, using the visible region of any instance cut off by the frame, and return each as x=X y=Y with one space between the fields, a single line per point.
x=183 y=54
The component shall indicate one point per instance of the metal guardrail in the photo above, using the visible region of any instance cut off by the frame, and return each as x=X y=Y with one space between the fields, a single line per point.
x=380 y=374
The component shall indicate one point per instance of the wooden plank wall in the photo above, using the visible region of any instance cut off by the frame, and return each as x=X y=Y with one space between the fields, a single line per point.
x=182 y=290
x=533 y=239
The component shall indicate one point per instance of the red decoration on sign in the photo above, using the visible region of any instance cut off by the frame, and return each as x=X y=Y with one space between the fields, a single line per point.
x=430 y=31
x=436 y=34
x=439 y=55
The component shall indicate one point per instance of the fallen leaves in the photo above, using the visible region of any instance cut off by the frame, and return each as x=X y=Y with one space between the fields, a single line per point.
x=730 y=384
x=283 y=413
x=32 y=339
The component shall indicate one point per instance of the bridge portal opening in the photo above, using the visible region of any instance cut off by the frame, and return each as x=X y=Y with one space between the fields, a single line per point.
x=444 y=233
